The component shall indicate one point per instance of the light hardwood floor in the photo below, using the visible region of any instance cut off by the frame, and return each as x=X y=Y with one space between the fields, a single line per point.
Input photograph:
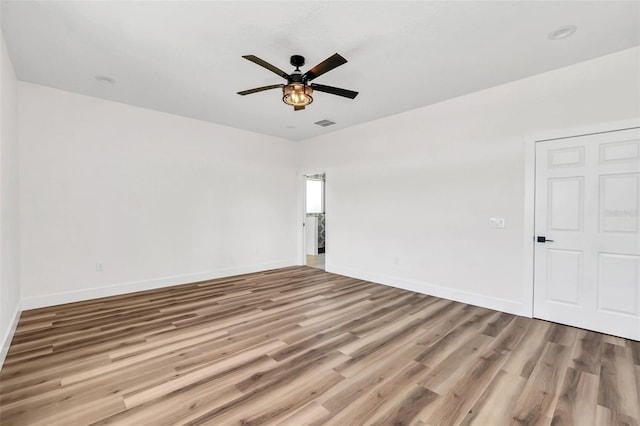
x=299 y=346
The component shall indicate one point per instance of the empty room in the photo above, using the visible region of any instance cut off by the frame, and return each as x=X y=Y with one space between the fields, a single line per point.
x=320 y=213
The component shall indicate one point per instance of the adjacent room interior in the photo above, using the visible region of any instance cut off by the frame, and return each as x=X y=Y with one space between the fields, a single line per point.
x=315 y=219
x=302 y=213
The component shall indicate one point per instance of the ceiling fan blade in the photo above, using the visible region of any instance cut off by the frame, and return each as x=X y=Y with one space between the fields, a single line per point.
x=334 y=90
x=323 y=67
x=266 y=65
x=260 y=89
x=298 y=108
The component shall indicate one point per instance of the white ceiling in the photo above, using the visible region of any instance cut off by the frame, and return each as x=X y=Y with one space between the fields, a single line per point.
x=185 y=57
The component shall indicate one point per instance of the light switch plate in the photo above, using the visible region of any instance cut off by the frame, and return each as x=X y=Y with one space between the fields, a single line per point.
x=496 y=222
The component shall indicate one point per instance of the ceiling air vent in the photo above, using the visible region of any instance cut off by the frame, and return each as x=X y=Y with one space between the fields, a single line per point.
x=324 y=123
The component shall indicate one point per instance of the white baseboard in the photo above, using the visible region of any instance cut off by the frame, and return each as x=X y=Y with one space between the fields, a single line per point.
x=6 y=341
x=489 y=302
x=133 y=286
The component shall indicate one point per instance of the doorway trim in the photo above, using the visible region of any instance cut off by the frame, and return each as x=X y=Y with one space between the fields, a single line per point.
x=530 y=187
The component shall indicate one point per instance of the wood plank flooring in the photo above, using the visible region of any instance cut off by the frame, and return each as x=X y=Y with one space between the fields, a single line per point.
x=300 y=346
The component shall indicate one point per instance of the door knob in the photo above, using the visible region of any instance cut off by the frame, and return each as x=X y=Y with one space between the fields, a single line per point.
x=542 y=239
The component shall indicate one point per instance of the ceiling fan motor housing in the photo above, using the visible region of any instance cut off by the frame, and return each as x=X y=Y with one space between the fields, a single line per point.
x=295 y=77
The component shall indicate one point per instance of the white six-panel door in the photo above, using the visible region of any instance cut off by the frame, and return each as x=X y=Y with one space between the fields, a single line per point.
x=588 y=204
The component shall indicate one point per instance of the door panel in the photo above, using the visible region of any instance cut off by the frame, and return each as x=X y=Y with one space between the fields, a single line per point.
x=619 y=151
x=587 y=273
x=565 y=204
x=619 y=203
x=573 y=156
x=564 y=275
x=618 y=283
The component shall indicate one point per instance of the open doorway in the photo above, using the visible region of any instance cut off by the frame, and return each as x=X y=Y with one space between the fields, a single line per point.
x=315 y=234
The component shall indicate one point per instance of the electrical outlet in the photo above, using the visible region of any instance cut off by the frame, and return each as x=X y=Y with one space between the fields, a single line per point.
x=98 y=267
x=496 y=222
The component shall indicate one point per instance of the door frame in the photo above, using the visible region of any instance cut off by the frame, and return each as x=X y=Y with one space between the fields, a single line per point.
x=302 y=214
x=530 y=188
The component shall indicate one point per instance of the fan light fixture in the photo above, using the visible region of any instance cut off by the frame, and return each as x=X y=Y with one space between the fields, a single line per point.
x=297 y=94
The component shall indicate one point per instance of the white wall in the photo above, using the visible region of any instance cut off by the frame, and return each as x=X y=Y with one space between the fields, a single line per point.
x=409 y=196
x=155 y=198
x=9 y=213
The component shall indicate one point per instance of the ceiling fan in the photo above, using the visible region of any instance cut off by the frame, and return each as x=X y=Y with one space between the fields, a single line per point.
x=298 y=92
